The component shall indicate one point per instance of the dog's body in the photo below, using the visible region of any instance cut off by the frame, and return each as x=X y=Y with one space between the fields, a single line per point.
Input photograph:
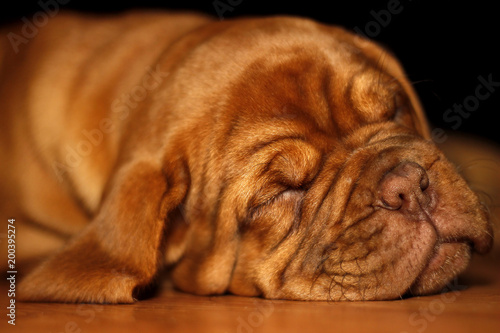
x=274 y=157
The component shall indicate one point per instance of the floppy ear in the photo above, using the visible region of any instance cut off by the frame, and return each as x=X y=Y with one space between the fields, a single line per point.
x=208 y=261
x=119 y=251
x=391 y=65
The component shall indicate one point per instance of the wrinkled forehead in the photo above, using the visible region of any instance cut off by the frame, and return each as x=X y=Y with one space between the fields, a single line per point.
x=335 y=96
x=290 y=68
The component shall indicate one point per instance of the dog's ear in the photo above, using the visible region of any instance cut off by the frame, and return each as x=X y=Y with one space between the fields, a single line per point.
x=209 y=258
x=389 y=64
x=119 y=251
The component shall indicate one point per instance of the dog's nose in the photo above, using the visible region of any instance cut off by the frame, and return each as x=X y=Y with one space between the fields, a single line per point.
x=404 y=189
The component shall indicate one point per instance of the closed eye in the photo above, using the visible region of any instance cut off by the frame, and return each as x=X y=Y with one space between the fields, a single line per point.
x=285 y=200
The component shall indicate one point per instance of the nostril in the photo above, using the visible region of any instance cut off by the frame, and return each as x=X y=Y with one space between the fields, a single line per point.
x=392 y=203
x=404 y=188
x=424 y=182
x=392 y=198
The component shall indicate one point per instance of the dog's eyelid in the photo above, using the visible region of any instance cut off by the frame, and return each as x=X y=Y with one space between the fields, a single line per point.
x=258 y=207
x=286 y=193
x=289 y=192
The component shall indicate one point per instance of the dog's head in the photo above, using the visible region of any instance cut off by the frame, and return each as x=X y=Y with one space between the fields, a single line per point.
x=319 y=180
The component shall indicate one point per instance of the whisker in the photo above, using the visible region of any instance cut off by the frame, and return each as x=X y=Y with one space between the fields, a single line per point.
x=421 y=81
x=491 y=164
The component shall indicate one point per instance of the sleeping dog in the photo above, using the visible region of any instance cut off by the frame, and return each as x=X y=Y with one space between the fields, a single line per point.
x=274 y=157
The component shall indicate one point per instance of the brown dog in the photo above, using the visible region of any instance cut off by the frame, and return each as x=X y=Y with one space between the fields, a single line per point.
x=275 y=157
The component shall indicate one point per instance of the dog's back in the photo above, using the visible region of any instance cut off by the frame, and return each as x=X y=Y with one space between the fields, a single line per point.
x=56 y=82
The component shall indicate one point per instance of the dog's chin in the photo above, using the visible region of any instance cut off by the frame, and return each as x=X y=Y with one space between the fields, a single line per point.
x=447 y=261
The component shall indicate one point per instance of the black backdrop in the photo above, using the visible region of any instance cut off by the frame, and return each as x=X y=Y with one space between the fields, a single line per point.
x=448 y=49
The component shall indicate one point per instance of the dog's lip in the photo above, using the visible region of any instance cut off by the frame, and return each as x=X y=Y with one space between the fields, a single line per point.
x=444 y=248
x=442 y=252
x=453 y=254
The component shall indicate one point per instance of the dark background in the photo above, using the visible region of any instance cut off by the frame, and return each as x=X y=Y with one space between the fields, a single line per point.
x=444 y=47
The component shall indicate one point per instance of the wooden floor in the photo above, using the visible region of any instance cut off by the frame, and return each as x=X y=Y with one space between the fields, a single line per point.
x=474 y=306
